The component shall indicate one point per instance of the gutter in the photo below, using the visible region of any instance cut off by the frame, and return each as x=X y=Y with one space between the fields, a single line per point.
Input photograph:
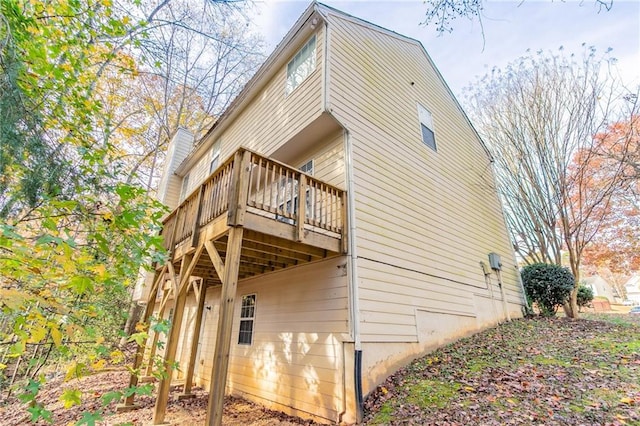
x=282 y=51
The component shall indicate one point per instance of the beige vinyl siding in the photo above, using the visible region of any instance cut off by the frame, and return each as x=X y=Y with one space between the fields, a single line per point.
x=328 y=160
x=425 y=219
x=170 y=184
x=271 y=118
x=295 y=360
x=199 y=172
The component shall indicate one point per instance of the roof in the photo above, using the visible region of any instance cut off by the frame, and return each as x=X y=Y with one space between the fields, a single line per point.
x=280 y=53
x=633 y=282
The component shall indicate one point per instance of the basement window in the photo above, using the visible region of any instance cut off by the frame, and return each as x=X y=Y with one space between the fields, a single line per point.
x=301 y=66
x=247 y=315
x=426 y=127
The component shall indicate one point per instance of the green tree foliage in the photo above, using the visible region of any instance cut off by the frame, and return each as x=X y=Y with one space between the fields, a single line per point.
x=547 y=285
x=72 y=236
x=75 y=227
x=585 y=296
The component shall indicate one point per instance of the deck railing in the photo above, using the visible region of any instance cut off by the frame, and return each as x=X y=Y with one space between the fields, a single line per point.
x=261 y=186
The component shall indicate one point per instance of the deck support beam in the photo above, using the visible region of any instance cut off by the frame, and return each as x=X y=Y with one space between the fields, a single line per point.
x=163 y=306
x=225 y=322
x=189 y=263
x=156 y=336
x=200 y=292
x=137 y=361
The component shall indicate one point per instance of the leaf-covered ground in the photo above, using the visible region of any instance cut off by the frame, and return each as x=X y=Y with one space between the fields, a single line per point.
x=526 y=372
x=237 y=412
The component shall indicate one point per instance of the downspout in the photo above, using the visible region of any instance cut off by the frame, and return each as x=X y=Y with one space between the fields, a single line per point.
x=353 y=278
x=352 y=255
x=325 y=108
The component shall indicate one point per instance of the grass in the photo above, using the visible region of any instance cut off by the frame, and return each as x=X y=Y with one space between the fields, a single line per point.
x=537 y=371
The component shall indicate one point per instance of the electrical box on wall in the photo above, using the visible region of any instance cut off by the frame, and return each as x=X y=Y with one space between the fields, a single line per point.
x=494 y=261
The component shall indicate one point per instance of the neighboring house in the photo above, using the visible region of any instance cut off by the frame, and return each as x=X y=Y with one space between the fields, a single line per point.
x=632 y=287
x=600 y=287
x=334 y=224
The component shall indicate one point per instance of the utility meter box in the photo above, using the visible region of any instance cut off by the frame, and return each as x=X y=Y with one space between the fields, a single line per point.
x=494 y=261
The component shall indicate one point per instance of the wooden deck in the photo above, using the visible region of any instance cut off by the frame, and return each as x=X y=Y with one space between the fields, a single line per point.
x=289 y=218
x=251 y=216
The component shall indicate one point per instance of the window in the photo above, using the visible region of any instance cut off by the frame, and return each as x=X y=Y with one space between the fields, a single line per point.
x=185 y=186
x=215 y=157
x=247 y=315
x=307 y=168
x=426 y=127
x=301 y=65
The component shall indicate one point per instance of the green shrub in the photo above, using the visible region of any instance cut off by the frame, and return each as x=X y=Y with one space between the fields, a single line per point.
x=547 y=285
x=585 y=296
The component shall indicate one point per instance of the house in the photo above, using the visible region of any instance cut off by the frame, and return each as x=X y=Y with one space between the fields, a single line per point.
x=600 y=287
x=339 y=220
x=632 y=288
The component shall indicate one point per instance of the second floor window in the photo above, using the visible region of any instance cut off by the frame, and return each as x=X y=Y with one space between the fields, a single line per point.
x=426 y=127
x=302 y=64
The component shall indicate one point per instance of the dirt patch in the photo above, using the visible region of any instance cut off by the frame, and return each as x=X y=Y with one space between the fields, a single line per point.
x=237 y=412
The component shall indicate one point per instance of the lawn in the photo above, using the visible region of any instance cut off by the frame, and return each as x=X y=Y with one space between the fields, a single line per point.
x=525 y=372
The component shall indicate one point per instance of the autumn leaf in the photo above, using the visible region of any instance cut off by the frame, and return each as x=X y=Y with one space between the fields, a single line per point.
x=98 y=365
x=37 y=334
x=56 y=335
x=75 y=371
x=71 y=397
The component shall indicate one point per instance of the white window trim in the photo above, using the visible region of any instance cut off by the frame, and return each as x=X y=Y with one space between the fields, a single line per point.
x=184 y=188
x=291 y=83
x=214 y=157
x=425 y=119
x=313 y=165
x=251 y=318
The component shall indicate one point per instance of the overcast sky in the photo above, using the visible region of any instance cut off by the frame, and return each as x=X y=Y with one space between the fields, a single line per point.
x=510 y=28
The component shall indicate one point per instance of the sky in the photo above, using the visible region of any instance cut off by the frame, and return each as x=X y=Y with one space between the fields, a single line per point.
x=510 y=28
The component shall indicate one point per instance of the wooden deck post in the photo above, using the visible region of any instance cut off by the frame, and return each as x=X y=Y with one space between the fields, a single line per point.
x=196 y=223
x=189 y=263
x=163 y=306
x=137 y=361
x=225 y=322
x=302 y=207
x=154 y=343
x=239 y=188
x=200 y=292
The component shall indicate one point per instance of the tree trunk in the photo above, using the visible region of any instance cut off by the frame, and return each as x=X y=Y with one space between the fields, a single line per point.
x=132 y=319
x=571 y=306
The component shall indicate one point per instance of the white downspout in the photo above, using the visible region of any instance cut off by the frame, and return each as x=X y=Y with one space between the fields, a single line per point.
x=352 y=255
x=353 y=247
x=352 y=270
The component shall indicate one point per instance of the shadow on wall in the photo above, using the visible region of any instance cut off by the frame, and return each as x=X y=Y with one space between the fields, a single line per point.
x=302 y=371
